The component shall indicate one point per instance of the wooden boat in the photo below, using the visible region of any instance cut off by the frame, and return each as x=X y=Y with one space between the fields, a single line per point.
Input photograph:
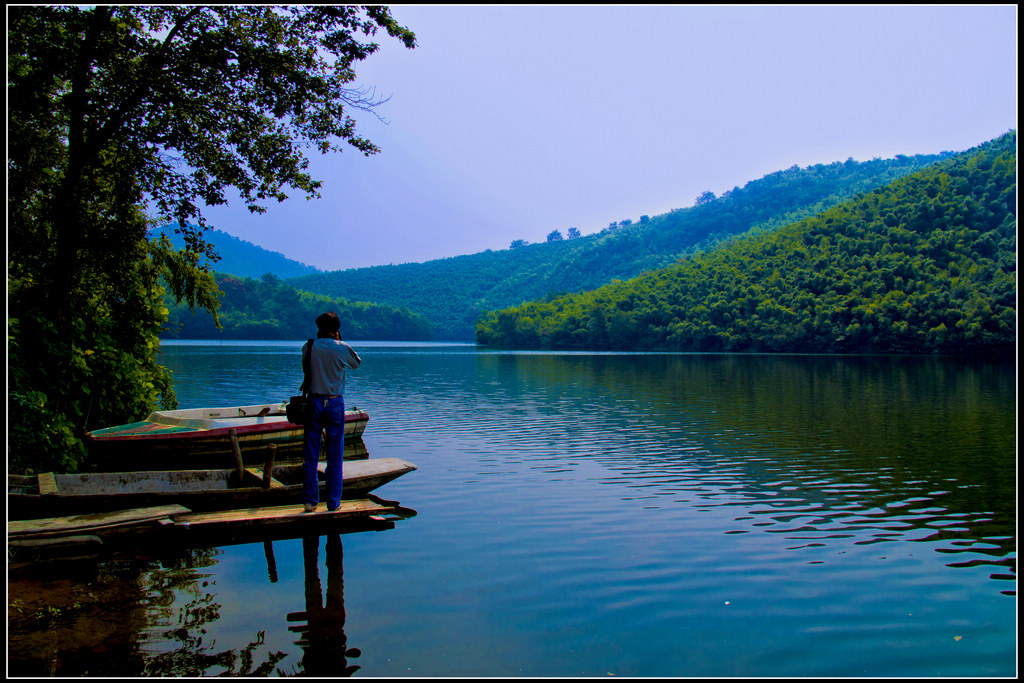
x=188 y=439
x=50 y=495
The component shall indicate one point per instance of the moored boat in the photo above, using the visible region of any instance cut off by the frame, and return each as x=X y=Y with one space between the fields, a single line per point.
x=190 y=438
x=50 y=495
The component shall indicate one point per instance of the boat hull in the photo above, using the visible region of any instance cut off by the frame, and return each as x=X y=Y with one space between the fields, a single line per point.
x=201 y=437
x=50 y=495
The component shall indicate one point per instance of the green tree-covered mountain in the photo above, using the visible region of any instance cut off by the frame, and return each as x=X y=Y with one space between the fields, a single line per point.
x=243 y=259
x=452 y=293
x=269 y=308
x=925 y=264
x=256 y=304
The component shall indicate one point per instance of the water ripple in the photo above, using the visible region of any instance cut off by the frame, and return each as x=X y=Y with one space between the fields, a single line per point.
x=730 y=515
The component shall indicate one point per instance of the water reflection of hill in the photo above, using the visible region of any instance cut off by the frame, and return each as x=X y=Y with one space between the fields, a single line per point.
x=876 y=448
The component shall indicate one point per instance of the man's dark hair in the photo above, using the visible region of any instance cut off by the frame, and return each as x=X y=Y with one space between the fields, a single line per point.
x=328 y=323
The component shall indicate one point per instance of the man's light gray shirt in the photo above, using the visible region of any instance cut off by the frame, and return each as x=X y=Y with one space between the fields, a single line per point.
x=327 y=366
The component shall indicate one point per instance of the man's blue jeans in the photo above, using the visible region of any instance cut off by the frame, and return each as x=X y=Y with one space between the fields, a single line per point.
x=328 y=420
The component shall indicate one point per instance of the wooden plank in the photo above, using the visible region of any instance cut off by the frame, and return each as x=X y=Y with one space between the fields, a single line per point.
x=375 y=467
x=284 y=514
x=47 y=484
x=78 y=524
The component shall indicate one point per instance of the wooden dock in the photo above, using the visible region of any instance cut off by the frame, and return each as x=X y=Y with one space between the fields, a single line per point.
x=284 y=515
x=176 y=523
x=39 y=532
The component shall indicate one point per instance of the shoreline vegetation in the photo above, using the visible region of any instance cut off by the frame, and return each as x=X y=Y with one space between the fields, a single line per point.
x=271 y=309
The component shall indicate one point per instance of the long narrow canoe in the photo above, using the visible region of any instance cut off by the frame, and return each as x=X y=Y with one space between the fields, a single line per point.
x=53 y=495
x=186 y=439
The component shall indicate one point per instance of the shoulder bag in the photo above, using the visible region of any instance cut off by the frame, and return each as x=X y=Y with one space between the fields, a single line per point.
x=299 y=409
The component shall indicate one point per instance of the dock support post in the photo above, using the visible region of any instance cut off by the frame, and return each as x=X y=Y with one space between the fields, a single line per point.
x=268 y=550
x=268 y=466
x=237 y=450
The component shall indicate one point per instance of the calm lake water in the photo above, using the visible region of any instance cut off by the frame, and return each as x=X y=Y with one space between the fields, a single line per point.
x=593 y=515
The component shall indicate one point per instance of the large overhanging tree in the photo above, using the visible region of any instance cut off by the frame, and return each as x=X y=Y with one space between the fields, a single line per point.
x=122 y=117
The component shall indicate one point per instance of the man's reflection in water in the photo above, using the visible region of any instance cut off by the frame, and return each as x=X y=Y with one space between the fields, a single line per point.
x=323 y=640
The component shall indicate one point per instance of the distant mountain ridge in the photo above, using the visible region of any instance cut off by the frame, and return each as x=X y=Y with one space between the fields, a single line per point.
x=451 y=293
x=245 y=259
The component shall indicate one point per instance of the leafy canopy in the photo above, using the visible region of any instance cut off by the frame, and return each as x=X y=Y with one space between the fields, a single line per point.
x=123 y=116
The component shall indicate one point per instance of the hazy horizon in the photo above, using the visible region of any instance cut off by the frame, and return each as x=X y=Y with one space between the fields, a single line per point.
x=508 y=122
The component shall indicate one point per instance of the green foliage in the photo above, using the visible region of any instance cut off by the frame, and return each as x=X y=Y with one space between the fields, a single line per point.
x=98 y=367
x=926 y=264
x=271 y=309
x=705 y=197
x=452 y=292
x=118 y=110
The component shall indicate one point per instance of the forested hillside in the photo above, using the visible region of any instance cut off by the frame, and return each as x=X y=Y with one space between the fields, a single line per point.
x=925 y=264
x=269 y=308
x=241 y=258
x=452 y=293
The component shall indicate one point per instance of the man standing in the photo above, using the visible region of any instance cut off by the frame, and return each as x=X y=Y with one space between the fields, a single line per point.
x=327 y=357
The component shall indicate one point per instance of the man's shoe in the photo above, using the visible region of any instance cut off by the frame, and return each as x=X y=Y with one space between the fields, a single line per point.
x=309 y=508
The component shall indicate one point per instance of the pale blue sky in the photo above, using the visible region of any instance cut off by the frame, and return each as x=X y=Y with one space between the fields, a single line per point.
x=508 y=122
